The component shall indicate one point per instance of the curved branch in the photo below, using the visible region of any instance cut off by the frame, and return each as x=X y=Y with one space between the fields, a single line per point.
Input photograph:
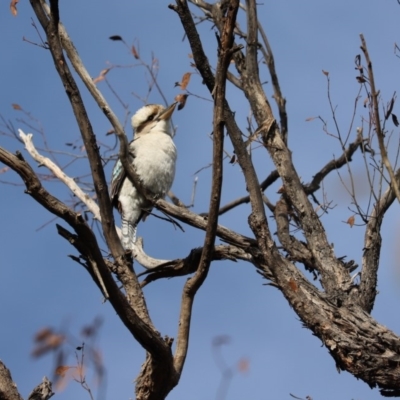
x=375 y=104
x=271 y=178
x=297 y=250
x=367 y=292
x=193 y=284
x=333 y=165
x=86 y=242
x=50 y=24
x=188 y=265
x=69 y=182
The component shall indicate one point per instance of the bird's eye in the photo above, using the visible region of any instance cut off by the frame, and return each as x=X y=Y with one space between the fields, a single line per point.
x=150 y=118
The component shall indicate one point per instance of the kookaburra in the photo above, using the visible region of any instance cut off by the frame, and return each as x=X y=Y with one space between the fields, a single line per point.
x=153 y=155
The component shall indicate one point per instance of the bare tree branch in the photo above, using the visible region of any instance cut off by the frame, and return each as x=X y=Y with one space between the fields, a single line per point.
x=372 y=248
x=8 y=389
x=194 y=283
x=379 y=133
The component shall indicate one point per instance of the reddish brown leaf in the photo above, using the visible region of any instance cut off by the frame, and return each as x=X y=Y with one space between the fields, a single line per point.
x=351 y=221
x=293 y=285
x=181 y=99
x=55 y=341
x=185 y=80
x=43 y=334
x=243 y=365
x=281 y=190
x=101 y=76
x=326 y=73
x=310 y=119
x=16 y=107
x=134 y=52
x=13 y=7
x=98 y=79
x=61 y=370
x=4 y=169
x=360 y=79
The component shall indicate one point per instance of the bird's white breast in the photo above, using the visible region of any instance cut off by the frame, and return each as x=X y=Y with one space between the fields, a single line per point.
x=154 y=160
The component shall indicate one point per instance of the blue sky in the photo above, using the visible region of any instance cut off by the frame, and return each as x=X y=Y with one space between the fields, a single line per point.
x=40 y=286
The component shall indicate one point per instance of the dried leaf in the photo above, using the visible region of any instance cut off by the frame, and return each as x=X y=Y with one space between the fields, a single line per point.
x=98 y=79
x=185 y=80
x=101 y=76
x=351 y=221
x=43 y=334
x=395 y=120
x=310 y=119
x=221 y=340
x=110 y=132
x=61 y=370
x=293 y=285
x=134 y=52
x=181 y=99
x=190 y=55
x=16 y=107
x=281 y=190
x=357 y=60
x=326 y=73
x=55 y=341
x=233 y=159
x=4 y=169
x=116 y=37
x=366 y=102
x=390 y=108
x=360 y=79
x=243 y=365
x=13 y=7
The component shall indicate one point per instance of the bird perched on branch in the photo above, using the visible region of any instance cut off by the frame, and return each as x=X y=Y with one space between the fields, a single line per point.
x=153 y=156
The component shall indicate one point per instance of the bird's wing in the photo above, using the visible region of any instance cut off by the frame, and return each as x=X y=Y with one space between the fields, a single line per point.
x=118 y=177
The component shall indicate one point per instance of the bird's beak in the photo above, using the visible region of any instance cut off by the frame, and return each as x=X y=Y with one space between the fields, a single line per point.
x=166 y=114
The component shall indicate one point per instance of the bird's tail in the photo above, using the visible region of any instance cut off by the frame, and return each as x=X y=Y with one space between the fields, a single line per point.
x=128 y=234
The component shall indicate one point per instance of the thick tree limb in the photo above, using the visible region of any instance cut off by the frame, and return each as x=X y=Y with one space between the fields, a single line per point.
x=344 y=328
x=143 y=330
x=50 y=24
x=8 y=389
x=87 y=242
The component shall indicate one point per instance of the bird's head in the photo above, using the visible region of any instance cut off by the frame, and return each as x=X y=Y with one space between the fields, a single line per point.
x=153 y=118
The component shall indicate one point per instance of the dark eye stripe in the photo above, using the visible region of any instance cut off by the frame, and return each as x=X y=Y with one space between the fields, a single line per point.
x=149 y=119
